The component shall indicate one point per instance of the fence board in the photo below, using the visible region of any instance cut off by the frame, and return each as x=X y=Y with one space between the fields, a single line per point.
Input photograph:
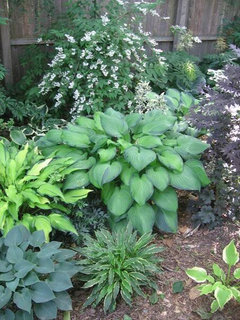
x=202 y=17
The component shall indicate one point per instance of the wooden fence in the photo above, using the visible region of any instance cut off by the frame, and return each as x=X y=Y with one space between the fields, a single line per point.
x=202 y=17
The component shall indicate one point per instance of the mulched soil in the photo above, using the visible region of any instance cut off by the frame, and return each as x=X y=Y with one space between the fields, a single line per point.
x=182 y=250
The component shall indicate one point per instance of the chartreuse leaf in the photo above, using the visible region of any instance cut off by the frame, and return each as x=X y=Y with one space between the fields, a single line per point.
x=50 y=190
x=142 y=218
x=237 y=273
x=43 y=223
x=206 y=289
x=230 y=254
x=214 y=306
x=75 y=195
x=120 y=201
x=219 y=272
x=141 y=189
x=62 y=223
x=36 y=169
x=139 y=158
x=171 y=160
x=197 y=274
x=222 y=295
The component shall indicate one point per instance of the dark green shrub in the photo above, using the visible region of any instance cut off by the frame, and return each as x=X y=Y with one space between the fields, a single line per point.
x=118 y=264
x=34 y=276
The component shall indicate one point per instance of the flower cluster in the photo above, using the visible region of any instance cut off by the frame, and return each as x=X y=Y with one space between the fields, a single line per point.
x=186 y=39
x=98 y=65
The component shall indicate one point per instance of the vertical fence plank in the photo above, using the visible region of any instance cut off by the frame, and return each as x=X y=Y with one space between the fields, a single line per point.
x=6 y=44
x=181 y=18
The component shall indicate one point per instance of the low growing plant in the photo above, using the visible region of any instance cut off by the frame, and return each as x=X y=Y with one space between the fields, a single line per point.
x=135 y=160
x=34 y=276
x=224 y=286
x=118 y=264
x=31 y=185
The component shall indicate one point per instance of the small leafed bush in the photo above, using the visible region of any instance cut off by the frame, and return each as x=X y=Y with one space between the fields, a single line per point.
x=31 y=185
x=34 y=276
x=135 y=160
x=118 y=264
x=224 y=286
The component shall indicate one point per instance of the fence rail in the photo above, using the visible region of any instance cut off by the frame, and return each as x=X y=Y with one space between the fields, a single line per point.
x=202 y=17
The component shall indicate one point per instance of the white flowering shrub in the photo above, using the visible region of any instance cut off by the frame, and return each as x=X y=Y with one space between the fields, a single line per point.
x=99 y=59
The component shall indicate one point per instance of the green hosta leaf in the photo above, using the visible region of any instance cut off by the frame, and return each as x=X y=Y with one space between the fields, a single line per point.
x=190 y=145
x=103 y=173
x=199 y=171
x=37 y=239
x=149 y=142
x=62 y=223
x=4 y=154
x=107 y=191
x=49 y=249
x=171 y=160
x=166 y=220
x=44 y=265
x=120 y=201
x=43 y=223
x=142 y=217
x=18 y=137
x=59 y=281
x=114 y=126
x=63 y=301
x=139 y=157
x=127 y=173
x=218 y=272
x=12 y=285
x=14 y=254
x=5 y=296
x=75 y=139
x=174 y=93
x=141 y=189
x=237 y=273
x=230 y=254
x=206 y=289
x=197 y=274
x=159 y=177
x=167 y=199
x=75 y=195
x=16 y=236
x=55 y=136
x=107 y=154
x=23 y=267
x=41 y=292
x=76 y=180
x=157 y=127
x=222 y=295
x=31 y=279
x=186 y=180
x=23 y=299
x=85 y=122
x=133 y=119
x=50 y=190
x=23 y=315
x=84 y=164
x=46 y=311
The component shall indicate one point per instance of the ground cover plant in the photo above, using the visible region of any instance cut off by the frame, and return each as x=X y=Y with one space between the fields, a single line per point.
x=135 y=160
x=118 y=264
x=224 y=286
x=32 y=191
x=34 y=276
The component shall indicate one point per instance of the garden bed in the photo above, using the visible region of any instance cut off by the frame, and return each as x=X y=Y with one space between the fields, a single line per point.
x=182 y=251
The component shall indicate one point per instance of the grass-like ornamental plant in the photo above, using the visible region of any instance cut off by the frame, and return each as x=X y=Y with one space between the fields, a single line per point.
x=224 y=286
x=31 y=185
x=34 y=276
x=136 y=160
x=118 y=264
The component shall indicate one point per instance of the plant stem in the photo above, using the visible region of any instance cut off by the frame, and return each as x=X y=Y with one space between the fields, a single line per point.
x=66 y=315
x=228 y=275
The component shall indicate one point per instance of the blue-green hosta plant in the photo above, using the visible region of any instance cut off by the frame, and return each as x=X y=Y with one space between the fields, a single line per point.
x=136 y=161
x=118 y=264
x=31 y=186
x=34 y=276
x=224 y=286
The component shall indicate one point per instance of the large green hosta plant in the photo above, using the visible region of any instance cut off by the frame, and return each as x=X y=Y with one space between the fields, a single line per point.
x=31 y=185
x=136 y=160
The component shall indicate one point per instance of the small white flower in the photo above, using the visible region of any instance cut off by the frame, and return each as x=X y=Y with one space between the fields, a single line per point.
x=70 y=38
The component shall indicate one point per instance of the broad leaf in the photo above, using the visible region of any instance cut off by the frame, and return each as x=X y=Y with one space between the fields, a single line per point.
x=23 y=299
x=107 y=154
x=237 y=273
x=142 y=218
x=75 y=195
x=149 y=142
x=41 y=292
x=18 y=137
x=139 y=157
x=75 y=139
x=59 y=281
x=63 y=301
x=199 y=171
x=5 y=296
x=167 y=199
x=62 y=223
x=197 y=274
x=222 y=295
x=46 y=311
x=166 y=220
x=230 y=254
x=43 y=223
x=159 y=177
x=171 y=160
x=114 y=126
x=120 y=201
x=141 y=189
x=76 y=180
x=190 y=145
x=186 y=180
x=103 y=173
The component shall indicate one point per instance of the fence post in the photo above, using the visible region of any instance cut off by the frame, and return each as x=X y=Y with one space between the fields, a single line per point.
x=181 y=18
x=6 y=43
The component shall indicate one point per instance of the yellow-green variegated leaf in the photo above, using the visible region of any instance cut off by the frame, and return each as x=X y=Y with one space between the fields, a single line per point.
x=61 y=223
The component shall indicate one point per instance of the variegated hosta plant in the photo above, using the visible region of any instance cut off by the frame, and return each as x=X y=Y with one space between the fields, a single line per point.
x=31 y=186
x=136 y=160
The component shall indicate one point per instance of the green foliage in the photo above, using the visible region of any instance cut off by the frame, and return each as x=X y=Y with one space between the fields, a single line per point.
x=223 y=286
x=30 y=184
x=186 y=40
x=136 y=160
x=231 y=31
x=99 y=57
x=34 y=276
x=118 y=264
